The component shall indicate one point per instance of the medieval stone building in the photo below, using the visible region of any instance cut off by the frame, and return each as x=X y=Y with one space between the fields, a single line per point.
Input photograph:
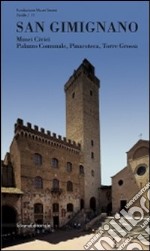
x=48 y=179
x=133 y=177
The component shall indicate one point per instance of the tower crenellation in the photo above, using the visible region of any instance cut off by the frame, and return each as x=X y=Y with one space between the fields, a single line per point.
x=47 y=136
x=86 y=69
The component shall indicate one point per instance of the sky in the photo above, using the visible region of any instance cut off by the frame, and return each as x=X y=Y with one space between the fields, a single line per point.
x=33 y=79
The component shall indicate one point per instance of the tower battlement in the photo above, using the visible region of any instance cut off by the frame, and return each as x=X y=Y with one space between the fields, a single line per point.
x=43 y=135
x=85 y=68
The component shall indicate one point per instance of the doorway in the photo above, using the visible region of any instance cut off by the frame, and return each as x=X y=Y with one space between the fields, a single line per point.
x=9 y=218
x=93 y=204
x=56 y=222
x=81 y=204
x=123 y=204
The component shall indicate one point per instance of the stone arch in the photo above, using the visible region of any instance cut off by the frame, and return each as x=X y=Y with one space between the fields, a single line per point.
x=81 y=169
x=93 y=203
x=81 y=204
x=109 y=208
x=69 y=207
x=38 y=213
x=22 y=133
x=55 y=184
x=140 y=152
x=55 y=207
x=29 y=135
x=69 y=186
x=9 y=219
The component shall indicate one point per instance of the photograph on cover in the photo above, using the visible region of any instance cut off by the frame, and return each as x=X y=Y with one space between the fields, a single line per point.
x=75 y=162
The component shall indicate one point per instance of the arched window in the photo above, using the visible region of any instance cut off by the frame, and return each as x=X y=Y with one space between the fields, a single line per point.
x=38 y=213
x=55 y=183
x=140 y=152
x=37 y=159
x=69 y=186
x=69 y=207
x=81 y=204
x=69 y=167
x=93 y=203
x=55 y=163
x=92 y=155
x=55 y=207
x=38 y=182
x=38 y=208
x=73 y=94
x=7 y=176
x=91 y=93
x=81 y=169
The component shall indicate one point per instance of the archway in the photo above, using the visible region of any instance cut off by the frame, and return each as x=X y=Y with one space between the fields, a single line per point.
x=9 y=219
x=38 y=213
x=109 y=208
x=93 y=203
x=81 y=204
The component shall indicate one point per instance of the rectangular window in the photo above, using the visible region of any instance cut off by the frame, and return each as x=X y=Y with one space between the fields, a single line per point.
x=92 y=155
x=55 y=207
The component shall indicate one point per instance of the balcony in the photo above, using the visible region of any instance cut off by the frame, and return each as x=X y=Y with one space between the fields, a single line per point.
x=56 y=191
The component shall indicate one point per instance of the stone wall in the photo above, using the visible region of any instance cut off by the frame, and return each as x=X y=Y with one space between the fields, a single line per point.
x=83 y=125
x=128 y=182
x=24 y=148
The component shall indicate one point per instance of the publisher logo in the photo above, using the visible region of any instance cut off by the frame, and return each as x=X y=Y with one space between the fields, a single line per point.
x=116 y=234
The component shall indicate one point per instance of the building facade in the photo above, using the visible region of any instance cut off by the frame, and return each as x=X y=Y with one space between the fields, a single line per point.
x=128 y=182
x=54 y=177
x=49 y=179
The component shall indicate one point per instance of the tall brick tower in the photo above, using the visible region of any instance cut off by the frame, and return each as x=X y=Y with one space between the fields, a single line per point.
x=82 y=125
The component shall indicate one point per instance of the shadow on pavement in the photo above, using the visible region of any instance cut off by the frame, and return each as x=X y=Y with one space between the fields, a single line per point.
x=53 y=238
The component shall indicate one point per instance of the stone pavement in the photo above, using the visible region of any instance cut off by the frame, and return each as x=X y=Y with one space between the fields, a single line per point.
x=60 y=240
x=75 y=239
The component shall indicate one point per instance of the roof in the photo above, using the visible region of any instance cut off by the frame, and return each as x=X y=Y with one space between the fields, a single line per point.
x=138 y=143
x=11 y=190
x=119 y=171
x=105 y=186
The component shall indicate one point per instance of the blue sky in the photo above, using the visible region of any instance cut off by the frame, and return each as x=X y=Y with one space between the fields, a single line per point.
x=33 y=79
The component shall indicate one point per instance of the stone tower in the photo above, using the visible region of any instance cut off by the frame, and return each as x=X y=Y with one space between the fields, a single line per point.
x=82 y=125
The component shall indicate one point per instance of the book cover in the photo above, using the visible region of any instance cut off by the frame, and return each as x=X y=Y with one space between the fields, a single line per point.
x=75 y=125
